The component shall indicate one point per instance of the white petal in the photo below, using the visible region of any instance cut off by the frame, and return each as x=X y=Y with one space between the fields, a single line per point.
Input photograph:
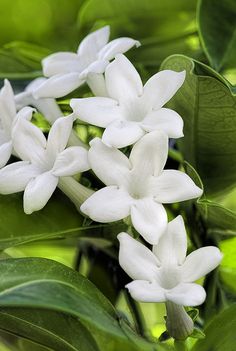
x=149 y=154
x=122 y=80
x=107 y=205
x=160 y=88
x=122 y=133
x=28 y=140
x=38 y=192
x=145 y=291
x=149 y=219
x=136 y=259
x=200 y=262
x=175 y=186
x=48 y=107
x=15 y=177
x=186 y=294
x=109 y=164
x=71 y=161
x=97 y=67
x=96 y=83
x=117 y=46
x=34 y=84
x=58 y=86
x=58 y=136
x=61 y=63
x=5 y=153
x=99 y=111
x=7 y=106
x=172 y=246
x=92 y=43
x=166 y=120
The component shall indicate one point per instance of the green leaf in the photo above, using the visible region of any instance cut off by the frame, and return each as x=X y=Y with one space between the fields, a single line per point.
x=217 y=28
x=220 y=332
x=31 y=288
x=163 y=27
x=207 y=105
x=228 y=264
x=218 y=219
x=58 y=219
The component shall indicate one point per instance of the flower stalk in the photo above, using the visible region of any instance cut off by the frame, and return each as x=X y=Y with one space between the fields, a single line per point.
x=178 y=323
x=75 y=191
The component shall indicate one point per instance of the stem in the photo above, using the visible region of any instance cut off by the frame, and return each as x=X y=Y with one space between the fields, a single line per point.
x=136 y=314
x=76 y=192
x=180 y=345
x=178 y=323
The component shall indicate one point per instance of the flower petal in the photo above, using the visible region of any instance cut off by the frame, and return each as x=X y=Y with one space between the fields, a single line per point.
x=61 y=63
x=99 y=111
x=5 y=153
x=144 y=291
x=7 y=106
x=28 y=140
x=166 y=120
x=38 y=192
x=186 y=294
x=160 y=88
x=149 y=154
x=122 y=80
x=200 y=262
x=107 y=205
x=58 y=136
x=122 y=133
x=15 y=177
x=92 y=43
x=109 y=164
x=117 y=46
x=97 y=67
x=174 y=186
x=72 y=160
x=96 y=83
x=149 y=219
x=58 y=86
x=172 y=246
x=136 y=259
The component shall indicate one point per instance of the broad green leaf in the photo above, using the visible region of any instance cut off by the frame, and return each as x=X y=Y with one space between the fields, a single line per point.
x=163 y=27
x=207 y=105
x=220 y=333
x=217 y=27
x=228 y=264
x=54 y=330
x=33 y=284
x=219 y=220
x=58 y=219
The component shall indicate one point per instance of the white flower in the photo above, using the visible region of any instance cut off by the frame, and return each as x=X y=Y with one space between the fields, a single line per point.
x=47 y=106
x=67 y=70
x=137 y=186
x=131 y=109
x=7 y=116
x=165 y=273
x=43 y=161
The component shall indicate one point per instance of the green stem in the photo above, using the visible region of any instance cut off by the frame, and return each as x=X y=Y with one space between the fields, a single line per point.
x=75 y=191
x=178 y=323
x=136 y=314
x=180 y=345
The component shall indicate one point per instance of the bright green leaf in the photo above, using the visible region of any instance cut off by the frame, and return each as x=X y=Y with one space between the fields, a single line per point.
x=207 y=105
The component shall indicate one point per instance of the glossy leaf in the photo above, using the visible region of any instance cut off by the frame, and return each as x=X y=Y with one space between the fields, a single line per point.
x=220 y=333
x=44 y=285
x=207 y=105
x=217 y=26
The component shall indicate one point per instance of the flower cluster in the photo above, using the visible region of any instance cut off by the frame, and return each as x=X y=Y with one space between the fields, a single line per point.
x=136 y=184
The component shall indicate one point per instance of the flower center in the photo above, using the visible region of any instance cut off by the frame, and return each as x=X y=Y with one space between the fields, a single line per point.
x=135 y=110
x=170 y=277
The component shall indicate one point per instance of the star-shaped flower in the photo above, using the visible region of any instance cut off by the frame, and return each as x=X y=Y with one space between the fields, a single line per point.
x=47 y=106
x=43 y=161
x=137 y=186
x=165 y=273
x=68 y=71
x=131 y=109
x=7 y=116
